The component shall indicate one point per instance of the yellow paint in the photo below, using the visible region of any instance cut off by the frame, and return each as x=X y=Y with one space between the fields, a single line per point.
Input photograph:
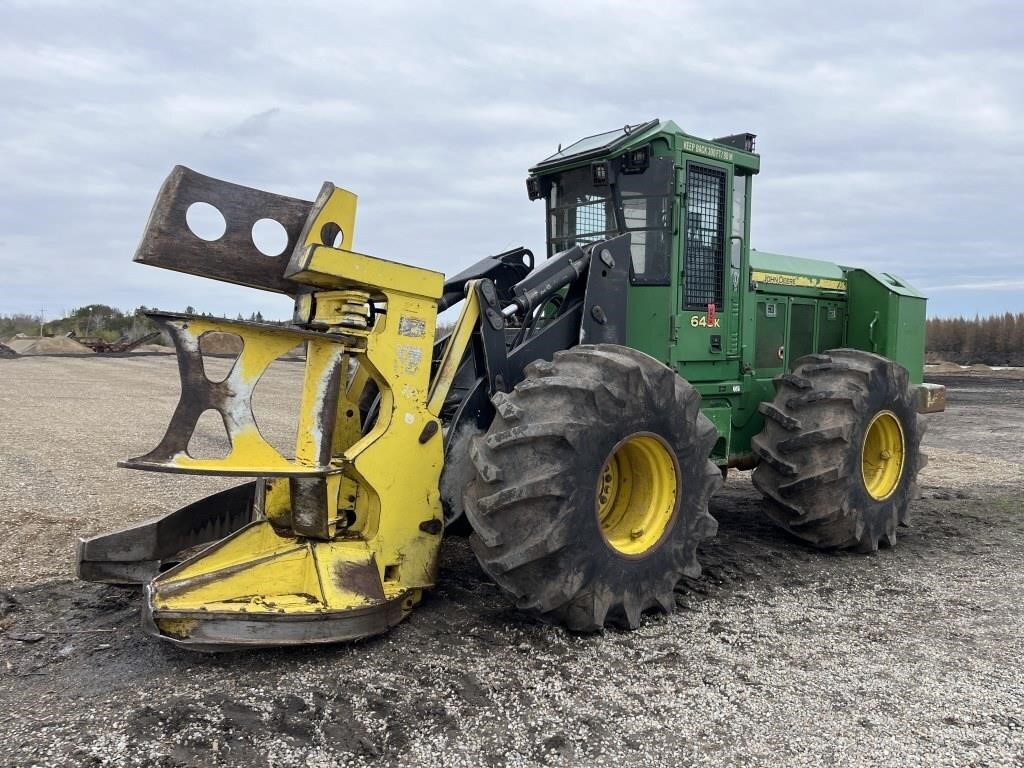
x=387 y=476
x=336 y=308
x=250 y=453
x=178 y=628
x=398 y=475
x=338 y=268
x=455 y=350
x=333 y=206
x=637 y=494
x=277 y=502
x=882 y=455
x=931 y=398
x=257 y=571
x=798 y=281
x=348 y=421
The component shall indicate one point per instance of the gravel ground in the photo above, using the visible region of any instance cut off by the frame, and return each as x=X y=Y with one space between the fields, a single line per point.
x=778 y=655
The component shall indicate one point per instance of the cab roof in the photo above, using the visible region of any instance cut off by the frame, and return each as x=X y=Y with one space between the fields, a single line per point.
x=598 y=145
x=737 y=149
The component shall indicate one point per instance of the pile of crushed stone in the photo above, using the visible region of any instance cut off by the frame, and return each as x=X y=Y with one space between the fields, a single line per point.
x=48 y=345
x=217 y=343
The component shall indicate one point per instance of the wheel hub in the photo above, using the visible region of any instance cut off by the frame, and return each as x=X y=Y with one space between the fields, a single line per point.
x=882 y=455
x=637 y=494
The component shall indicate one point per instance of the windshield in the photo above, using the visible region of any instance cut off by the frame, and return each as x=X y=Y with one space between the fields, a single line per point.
x=597 y=145
x=581 y=213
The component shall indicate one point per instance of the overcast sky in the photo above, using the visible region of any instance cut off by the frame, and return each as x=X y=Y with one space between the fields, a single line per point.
x=890 y=134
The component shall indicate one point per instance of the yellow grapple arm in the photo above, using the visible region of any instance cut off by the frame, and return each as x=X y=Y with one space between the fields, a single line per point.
x=346 y=531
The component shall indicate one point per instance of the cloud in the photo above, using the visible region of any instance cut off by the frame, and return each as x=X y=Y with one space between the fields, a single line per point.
x=252 y=126
x=1002 y=285
x=888 y=134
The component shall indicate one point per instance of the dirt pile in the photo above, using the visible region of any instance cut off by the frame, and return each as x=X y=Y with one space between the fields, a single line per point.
x=154 y=349
x=6 y=351
x=217 y=343
x=942 y=367
x=47 y=345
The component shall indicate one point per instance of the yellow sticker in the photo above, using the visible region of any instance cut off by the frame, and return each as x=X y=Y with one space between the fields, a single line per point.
x=798 y=281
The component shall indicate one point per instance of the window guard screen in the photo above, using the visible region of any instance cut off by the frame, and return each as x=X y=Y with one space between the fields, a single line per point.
x=705 y=236
x=582 y=219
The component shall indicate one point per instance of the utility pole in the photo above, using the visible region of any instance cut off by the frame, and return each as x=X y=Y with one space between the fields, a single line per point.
x=42 y=314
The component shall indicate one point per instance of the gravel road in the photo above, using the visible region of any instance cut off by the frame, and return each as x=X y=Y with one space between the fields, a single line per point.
x=778 y=655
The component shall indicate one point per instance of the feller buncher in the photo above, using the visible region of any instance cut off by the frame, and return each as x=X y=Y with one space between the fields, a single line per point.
x=575 y=421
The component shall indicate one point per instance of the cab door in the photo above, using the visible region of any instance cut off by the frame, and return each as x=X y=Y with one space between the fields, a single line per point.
x=702 y=318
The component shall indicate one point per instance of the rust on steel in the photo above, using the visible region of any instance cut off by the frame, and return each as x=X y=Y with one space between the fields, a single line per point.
x=232 y=258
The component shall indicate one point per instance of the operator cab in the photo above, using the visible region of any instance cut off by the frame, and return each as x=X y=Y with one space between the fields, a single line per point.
x=685 y=203
x=615 y=193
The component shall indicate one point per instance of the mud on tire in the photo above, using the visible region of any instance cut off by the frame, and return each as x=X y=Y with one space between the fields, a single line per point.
x=533 y=503
x=810 y=451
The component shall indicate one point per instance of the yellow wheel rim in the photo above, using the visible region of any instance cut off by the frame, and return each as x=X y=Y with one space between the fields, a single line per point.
x=636 y=494
x=882 y=455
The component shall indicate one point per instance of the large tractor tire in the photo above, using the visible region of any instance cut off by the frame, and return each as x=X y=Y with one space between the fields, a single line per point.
x=592 y=487
x=840 y=450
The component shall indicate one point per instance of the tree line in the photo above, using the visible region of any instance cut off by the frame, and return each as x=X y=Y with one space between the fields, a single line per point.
x=993 y=340
x=94 y=321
